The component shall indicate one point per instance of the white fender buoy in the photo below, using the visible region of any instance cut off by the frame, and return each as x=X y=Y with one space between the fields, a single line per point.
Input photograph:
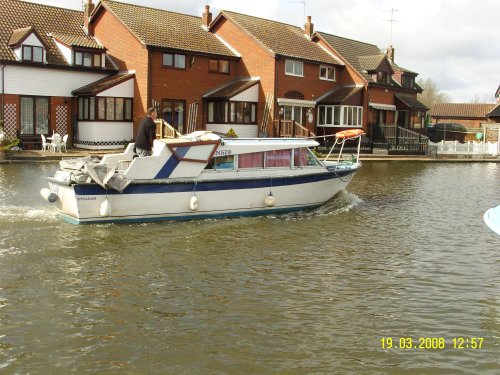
x=105 y=208
x=270 y=200
x=193 y=203
x=48 y=195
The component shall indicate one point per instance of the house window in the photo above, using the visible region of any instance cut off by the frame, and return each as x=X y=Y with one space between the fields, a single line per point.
x=104 y=109
x=219 y=66
x=34 y=115
x=32 y=54
x=88 y=59
x=339 y=115
x=243 y=113
x=172 y=111
x=218 y=112
x=174 y=60
x=408 y=81
x=384 y=77
x=232 y=112
x=294 y=68
x=327 y=73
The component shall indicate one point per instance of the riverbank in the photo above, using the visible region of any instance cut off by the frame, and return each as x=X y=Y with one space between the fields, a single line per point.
x=48 y=156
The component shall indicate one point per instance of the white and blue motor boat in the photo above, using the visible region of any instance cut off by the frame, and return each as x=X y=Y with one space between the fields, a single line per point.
x=200 y=175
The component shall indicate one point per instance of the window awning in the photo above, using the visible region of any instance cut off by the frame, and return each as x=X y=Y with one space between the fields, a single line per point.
x=297 y=102
x=383 y=107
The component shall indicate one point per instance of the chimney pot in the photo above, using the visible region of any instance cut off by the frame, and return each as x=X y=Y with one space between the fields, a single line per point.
x=309 y=27
x=206 y=16
x=390 y=52
x=87 y=11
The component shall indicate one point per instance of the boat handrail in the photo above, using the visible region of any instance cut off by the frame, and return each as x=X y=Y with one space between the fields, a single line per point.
x=342 y=136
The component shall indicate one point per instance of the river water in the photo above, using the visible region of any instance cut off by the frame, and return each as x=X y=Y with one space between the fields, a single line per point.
x=404 y=254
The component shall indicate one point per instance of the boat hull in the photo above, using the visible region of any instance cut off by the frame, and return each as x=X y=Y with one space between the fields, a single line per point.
x=173 y=200
x=492 y=219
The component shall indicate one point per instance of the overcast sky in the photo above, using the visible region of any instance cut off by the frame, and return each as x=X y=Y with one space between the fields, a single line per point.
x=456 y=43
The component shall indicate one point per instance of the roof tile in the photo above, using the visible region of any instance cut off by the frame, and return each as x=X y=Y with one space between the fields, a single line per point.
x=461 y=110
x=164 y=29
x=282 y=39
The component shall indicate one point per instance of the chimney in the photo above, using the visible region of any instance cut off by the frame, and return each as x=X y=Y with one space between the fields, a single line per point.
x=309 y=27
x=390 y=53
x=87 y=10
x=206 y=16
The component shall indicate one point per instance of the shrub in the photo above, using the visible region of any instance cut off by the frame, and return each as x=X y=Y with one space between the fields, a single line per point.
x=7 y=143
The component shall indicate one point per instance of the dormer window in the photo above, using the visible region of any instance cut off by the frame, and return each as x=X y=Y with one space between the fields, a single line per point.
x=32 y=54
x=408 y=81
x=384 y=77
x=88 y=59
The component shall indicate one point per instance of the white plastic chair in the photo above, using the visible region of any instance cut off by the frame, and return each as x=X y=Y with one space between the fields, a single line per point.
x=45 y=144
x=63 y=143
x=56 y=143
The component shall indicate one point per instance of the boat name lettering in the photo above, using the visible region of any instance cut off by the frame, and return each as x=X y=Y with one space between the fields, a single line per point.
x=222 y=152
x=87 y=198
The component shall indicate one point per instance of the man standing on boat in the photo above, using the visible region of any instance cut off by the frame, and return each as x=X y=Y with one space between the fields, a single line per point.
x=146 y=134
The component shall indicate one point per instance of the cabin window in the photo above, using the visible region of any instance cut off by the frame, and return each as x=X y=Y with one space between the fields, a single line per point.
x=174 y=60
x=218 y=66
x=34 y=115
x=87 y=59
x=340 y=115
x=327 y=73
x=294 y=68
x=303 y=157
x=225 y=162
x=104 y=109
x=251 y=160
x=278 y=158
x=32 y=54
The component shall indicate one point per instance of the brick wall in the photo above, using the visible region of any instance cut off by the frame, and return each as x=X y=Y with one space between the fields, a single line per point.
x=187 y=84
x=129 y=54
x=255 y=61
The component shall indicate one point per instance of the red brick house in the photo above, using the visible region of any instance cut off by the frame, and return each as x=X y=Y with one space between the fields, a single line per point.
x=389 y=91
x=471 y=115
x=174 y=59
x=42 y=60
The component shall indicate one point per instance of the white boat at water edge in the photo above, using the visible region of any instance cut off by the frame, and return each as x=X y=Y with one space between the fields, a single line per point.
x=200 y=175
x=492 y=219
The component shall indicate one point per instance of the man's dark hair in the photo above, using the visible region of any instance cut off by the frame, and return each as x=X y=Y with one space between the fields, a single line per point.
x=151 y=110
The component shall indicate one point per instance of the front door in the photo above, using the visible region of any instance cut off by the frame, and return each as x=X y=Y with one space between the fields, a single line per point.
x=173 y=112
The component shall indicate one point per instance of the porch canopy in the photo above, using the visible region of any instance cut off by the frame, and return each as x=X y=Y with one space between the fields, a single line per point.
x=296 y=102
x=343 y=95
x=103 y=84
x=405 y=101
x=382 y=106
x=231 y=89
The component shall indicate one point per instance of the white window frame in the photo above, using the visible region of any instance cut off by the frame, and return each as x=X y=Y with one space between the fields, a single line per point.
x=294 y=65
x=355 y=113
x=327 y=68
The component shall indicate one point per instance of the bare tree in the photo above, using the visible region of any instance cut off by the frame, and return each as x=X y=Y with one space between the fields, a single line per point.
x=431 y=93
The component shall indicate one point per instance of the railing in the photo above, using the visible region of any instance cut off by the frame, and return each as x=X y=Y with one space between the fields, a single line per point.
x=165 y=130
x=395 y=135
x=291 y=129
x=468 y=148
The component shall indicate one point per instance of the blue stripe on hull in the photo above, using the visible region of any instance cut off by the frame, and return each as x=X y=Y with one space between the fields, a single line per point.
x=141 y=219
x=177 y=187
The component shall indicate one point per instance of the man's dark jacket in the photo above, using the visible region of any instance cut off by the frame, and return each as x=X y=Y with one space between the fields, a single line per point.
x=146 y=134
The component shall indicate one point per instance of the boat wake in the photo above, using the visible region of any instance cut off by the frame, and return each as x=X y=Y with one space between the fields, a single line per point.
x=25 y=213
x=341 y=203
